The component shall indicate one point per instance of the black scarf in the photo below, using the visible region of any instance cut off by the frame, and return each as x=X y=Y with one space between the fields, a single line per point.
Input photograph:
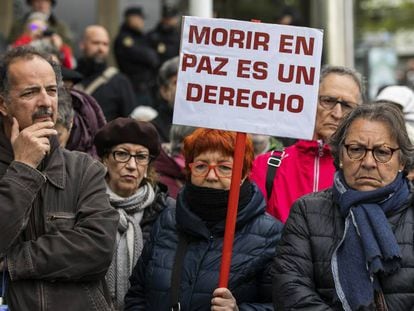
x=211 y=204
x=90 y=67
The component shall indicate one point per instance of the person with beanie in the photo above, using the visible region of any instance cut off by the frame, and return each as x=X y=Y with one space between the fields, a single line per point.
x=127 y=148
x=179 y=266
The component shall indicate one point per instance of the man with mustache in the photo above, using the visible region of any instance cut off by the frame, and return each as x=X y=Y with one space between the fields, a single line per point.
x=111 y=89
x=57 y=228
x=307 y=166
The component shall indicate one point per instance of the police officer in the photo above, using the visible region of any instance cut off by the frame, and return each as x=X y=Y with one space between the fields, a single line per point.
x=135 y=57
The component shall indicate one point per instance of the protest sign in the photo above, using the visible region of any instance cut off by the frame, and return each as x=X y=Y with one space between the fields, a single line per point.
x=248 y=77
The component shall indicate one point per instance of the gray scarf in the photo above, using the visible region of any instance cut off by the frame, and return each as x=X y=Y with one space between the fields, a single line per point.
x=129 y=241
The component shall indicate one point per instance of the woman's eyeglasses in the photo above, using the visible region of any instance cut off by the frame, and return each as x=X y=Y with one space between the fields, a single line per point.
x=201 y=169
x=381 y=154
x=123 y=157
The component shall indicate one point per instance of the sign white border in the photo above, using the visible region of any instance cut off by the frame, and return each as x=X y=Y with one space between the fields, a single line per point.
x=284 y=48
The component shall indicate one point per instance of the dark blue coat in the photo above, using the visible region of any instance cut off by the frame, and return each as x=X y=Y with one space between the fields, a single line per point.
x=254 y=248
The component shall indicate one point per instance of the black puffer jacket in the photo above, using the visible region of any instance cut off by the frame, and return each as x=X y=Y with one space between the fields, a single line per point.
x=303 y=278
x=254 y=247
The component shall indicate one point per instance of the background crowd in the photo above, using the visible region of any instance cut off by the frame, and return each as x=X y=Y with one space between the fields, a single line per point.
x=107 y=205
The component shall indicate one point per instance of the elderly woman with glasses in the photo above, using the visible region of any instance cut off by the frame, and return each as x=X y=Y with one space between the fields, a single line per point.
x=179 y=266
x=351 y=247
x=127 y=148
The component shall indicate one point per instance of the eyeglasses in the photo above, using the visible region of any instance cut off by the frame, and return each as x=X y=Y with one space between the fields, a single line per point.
x=124 y=157
x=381 y=154
x=201 y=169
x=329 y=102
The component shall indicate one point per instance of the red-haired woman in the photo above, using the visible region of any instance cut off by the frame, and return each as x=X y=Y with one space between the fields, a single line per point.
x=165 y=277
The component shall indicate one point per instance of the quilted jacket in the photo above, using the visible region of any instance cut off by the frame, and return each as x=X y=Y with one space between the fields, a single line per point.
x=303 y=278
x=254 y=247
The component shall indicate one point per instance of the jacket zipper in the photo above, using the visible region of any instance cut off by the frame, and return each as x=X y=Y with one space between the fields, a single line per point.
x=316 y=166
x=55 y=217
x=42 y=297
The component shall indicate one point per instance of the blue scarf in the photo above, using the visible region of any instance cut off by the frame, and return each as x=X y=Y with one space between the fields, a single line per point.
x=368 y=245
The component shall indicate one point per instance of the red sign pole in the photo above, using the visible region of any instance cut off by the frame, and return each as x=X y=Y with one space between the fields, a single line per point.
x=233 y=203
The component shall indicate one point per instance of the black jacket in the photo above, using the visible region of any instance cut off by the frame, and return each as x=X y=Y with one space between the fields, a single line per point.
x=303 y=278
x=254 y=246
x=165 y=41
x=136 y=59
x=116 y=97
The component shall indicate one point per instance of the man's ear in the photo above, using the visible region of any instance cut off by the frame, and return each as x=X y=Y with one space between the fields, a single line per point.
x=3 y=106
x=164 y=92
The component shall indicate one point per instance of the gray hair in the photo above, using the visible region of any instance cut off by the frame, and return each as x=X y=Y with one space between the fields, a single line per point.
x=177 y=135
x=381 y=112
x=168 y=69
x=344 y=71
x=23 y=52
x=65 y=109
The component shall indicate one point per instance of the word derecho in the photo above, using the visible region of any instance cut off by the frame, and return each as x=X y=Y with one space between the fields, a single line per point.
x=242 y=76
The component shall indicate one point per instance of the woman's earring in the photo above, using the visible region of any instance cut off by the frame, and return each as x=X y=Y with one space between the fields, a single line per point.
x=340 y=164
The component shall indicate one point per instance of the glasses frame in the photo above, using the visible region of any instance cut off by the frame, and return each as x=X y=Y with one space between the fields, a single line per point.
x=139 y=162
x=210 y=167
x=372 y=152
x=345 y=105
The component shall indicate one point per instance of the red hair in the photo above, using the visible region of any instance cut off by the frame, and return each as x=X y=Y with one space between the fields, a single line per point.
x=202 y=140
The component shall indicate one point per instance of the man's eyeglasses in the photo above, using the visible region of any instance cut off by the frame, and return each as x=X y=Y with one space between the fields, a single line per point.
x=329 y=102
x=381 y=154
x=201 y=169
x=123 y=157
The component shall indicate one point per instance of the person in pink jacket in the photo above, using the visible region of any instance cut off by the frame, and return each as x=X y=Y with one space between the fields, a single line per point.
x=307 y=166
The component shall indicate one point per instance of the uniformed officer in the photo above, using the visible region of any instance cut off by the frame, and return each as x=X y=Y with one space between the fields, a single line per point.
x=135 y=57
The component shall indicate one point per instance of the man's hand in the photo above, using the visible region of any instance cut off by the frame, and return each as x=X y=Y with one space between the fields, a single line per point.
x=32 y=144
x=223 y=300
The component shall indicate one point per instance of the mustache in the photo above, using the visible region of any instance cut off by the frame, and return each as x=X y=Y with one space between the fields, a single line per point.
x=42 y=112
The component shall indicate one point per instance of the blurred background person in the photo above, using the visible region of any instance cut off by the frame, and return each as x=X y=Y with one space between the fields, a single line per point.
x=167 y=86
x=135 y=58
x=127 y=148
x=111 y=89
x=38 y=34
x=87 y=117
x=193 y=231
x=170 y=165
x=350 y=247
x=165 y=37
x=265 y=143
x=403 y=97
x=290 y=15
x=55 y=25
